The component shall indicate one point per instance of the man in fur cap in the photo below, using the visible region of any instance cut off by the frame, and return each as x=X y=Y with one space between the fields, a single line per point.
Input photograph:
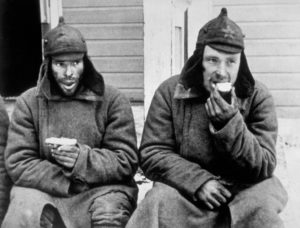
x=209 y=142
x=71 y=149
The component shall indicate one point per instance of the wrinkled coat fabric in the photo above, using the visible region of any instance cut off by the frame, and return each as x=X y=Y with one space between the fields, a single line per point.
x=180 y=148
x=5 y=182
x=103 y=125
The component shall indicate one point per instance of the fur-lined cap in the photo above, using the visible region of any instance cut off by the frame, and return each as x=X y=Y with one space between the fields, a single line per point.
x=222 y=34
x=63 y=39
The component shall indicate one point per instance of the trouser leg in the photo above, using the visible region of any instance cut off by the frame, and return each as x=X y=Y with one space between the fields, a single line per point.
x=261 y=218
x=111 y=210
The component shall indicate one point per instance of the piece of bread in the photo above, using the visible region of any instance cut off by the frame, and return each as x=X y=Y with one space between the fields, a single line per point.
x=224 y=87
x=61 y=141
x=225 y=90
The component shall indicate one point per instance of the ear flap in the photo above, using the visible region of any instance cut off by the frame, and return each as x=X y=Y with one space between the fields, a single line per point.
x=43 y=69
x=91 y=78
x=244 y=84
x=191 y=74
x=46 y=83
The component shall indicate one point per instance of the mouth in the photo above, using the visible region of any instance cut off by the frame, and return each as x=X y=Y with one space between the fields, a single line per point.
x=68 y=85
x=223 y=85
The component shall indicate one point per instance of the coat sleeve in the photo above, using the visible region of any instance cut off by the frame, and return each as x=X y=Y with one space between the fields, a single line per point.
x=5 y=182
x=116 y=161
x=159 y=156
x=250 y=143
x=23 y=161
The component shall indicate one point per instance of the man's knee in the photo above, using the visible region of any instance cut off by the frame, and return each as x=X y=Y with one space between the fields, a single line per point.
x=111 y=210
x=19 y=217
x=264 y=218
x=25 y=207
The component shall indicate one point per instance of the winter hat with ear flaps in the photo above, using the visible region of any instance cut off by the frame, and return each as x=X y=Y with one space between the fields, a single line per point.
x=222 y=34
x=64 y=39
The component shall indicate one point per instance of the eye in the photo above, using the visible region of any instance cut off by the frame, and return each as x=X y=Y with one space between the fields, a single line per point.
x=212 y=60
x=231 y=61
x=59 y=64
x=75 y=63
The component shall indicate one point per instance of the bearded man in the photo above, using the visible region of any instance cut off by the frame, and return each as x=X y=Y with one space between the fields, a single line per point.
x=71 y=149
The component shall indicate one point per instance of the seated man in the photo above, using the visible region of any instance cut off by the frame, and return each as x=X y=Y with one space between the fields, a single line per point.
x=71 y=149
x=209 y=142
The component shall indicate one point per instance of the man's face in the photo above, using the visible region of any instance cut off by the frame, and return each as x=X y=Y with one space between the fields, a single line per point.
x=219 y=67
x=67 y=72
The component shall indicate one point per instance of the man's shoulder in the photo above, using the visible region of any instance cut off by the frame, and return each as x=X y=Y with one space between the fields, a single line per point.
x=169 y=84
x=261 y=89
x=171 y=81
x=260 y=85
x=28 y=94
x=113 y=94
x=261 y=96
x=28 y=98
x=112 y=91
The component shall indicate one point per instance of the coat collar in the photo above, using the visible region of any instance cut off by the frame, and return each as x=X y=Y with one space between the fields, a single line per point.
x=182 y=93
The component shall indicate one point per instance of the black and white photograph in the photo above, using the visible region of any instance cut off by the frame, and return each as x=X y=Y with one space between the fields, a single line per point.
x=150 y=113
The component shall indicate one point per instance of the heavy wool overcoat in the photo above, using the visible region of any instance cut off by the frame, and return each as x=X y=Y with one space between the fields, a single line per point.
x=181 y=148
x=101 y=120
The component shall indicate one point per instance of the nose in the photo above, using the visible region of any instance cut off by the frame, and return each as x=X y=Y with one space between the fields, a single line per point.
x=221 y=72
x=68 y=71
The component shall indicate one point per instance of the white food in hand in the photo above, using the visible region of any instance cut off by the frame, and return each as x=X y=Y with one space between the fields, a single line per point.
x=61 y=141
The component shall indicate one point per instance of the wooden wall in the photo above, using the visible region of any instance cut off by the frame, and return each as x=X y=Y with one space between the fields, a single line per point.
x=114 y=33
x=272 y=29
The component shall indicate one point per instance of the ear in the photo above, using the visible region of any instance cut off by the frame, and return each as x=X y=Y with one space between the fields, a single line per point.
x=91 y=78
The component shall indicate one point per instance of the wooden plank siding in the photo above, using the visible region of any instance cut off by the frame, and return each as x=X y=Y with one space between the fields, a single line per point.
x=271 y=30
x=114 y=31
x=272 y=40
x=119 y=65
x=104 y=15
x=252 y=2
x=101 y=3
